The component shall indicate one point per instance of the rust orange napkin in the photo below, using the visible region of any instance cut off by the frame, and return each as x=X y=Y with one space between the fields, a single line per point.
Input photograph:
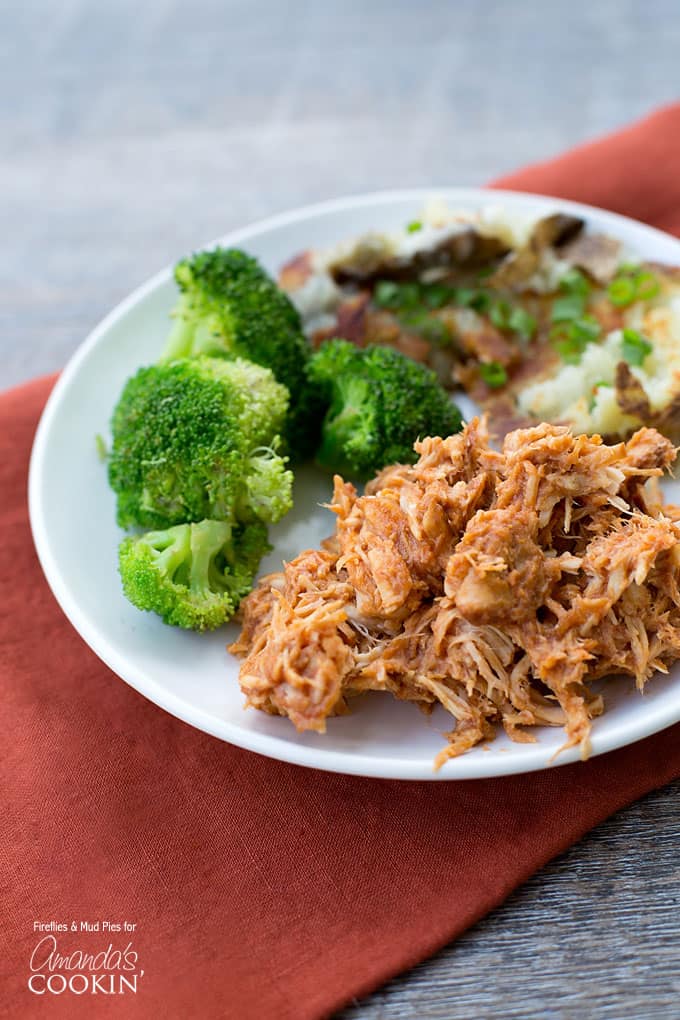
x=254 y=889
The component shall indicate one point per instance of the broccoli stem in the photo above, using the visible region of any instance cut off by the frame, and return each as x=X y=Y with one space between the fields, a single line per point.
x=348 y=417
x=171 y=549
x=208 y=539
x=179 y=342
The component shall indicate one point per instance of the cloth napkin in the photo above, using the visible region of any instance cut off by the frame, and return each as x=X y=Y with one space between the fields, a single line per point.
x=260 y=889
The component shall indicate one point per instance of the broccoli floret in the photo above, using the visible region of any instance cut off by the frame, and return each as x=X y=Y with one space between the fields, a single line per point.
x=266 y=492
x=230 y=307
x=381 y=402
x=192 y=575
x=187 y=437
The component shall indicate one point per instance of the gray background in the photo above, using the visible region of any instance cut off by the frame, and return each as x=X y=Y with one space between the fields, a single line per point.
x=132 y=132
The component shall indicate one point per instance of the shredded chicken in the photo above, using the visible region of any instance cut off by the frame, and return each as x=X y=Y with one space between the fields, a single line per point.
x=498 y=585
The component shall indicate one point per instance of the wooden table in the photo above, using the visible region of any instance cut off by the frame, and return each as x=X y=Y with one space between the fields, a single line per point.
x=133 y=132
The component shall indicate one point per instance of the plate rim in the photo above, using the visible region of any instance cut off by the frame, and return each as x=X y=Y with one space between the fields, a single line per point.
x=343 y=762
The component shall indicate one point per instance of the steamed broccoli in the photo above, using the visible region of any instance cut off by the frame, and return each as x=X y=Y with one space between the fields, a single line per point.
x=197 y=439
x=192 y=575
x=380 y=403
x=230 y=306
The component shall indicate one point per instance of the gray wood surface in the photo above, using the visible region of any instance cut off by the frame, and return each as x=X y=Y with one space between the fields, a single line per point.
x=593 y=935
x=132 y=132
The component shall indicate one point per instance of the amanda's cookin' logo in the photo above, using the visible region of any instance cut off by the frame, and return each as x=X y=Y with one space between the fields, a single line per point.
x=109 y=972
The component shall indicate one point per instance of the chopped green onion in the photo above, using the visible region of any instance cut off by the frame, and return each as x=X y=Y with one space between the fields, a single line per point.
x=499 y=313
x=571 y=338
x=522 y=322
x=436 y=331
x=593 y=399
x=511 y=317
x=570 y=350
x=480 y=301
x=576 y=289
x=632 y=284
x=414 y=319
x=471 y=297
x=586 y=327
x=436 y=295
x=428 y=326
x=409 y=294
x=572 y=306
x=647 y=285
x=634 y=347
x=574 y=282
x=414 y=226
x=386 y=294
x=493 y=374
x=621 y=291
x=465 y=295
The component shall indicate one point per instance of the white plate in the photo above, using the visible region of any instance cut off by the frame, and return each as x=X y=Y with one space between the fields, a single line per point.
x=192 y=676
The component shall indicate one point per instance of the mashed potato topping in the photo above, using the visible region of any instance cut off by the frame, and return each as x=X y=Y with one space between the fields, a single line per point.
x=585 y=396
x=488 y=299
